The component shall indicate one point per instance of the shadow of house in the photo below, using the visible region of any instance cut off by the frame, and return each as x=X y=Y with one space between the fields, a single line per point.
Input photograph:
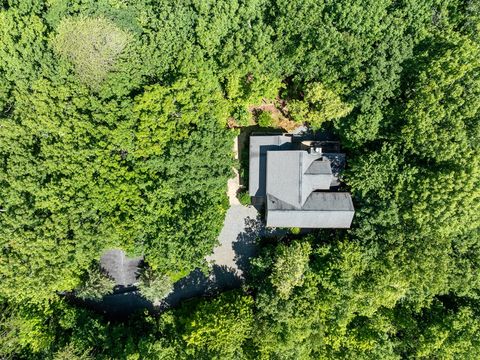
x=247 y=243
x=243 y=149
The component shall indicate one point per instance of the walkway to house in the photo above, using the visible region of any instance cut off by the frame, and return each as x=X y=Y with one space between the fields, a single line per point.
x=240 y=230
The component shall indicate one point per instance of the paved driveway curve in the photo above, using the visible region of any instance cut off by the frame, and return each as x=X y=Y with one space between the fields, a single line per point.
x=237 y=239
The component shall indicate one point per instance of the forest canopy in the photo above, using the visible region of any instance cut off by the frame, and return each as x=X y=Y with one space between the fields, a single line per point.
x=114 y=133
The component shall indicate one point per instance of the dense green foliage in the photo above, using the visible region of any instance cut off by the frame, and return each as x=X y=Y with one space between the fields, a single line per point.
x=289 y=268
x=92 y=45
x=154 y=287
x=83 y=171
x=218 y=329
x=317 y=106
x=264 y=119
x=95 y=285
x=113 y=134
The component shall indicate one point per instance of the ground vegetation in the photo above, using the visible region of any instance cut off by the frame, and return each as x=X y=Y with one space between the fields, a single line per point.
x=114 y=134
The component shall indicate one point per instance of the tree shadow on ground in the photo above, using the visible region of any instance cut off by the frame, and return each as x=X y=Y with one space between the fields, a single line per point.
x=127 y=301
x=247 y=243
x=196 y=284
x=245 y=246
x=116 y=307
x=119 y=306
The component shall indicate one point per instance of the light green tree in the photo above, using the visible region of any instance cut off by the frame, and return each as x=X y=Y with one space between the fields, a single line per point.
x=70 y=352
x=96 y=285
x=92 y=45
x=290 y=265
x=153 y=286
x=319 y=104
x=217 y=329
x=442 y=111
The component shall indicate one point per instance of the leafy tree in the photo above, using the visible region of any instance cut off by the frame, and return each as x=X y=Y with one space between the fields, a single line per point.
x=92 y=45
x=442 y=112
x=290 y=327
x=289 y=267
x=69 y=352
x=23 y=330
x=154 y=287
x=95 y=285
x=318 y=105
x=358 y=54
x=218 y=329
x=439 y=330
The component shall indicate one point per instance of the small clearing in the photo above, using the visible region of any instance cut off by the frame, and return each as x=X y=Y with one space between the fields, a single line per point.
x=278 y=116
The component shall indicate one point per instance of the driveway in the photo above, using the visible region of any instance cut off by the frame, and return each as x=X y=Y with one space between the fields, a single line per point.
x=229 y=262
x=237 y=239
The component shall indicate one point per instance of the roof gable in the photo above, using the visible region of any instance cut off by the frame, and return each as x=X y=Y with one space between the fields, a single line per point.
x=293 y=175
x=329 y=201
x=284 y=176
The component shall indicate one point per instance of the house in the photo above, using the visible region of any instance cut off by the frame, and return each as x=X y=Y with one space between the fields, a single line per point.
x=297 y=181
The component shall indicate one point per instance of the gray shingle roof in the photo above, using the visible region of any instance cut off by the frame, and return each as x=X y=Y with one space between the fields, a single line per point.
x=329 y=201
x=317 y=201
x=284 y=176
x=310 y=219
x=287 y=179
x=294 y=183
x=259 y=145
x=319 y=166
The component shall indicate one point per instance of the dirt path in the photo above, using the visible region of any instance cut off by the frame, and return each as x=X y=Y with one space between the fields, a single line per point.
x=233 y=185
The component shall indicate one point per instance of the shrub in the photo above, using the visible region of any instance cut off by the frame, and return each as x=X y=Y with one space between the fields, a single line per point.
x=244 y=198
x=264 y=119
x=241 y=116
x=295 y=230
